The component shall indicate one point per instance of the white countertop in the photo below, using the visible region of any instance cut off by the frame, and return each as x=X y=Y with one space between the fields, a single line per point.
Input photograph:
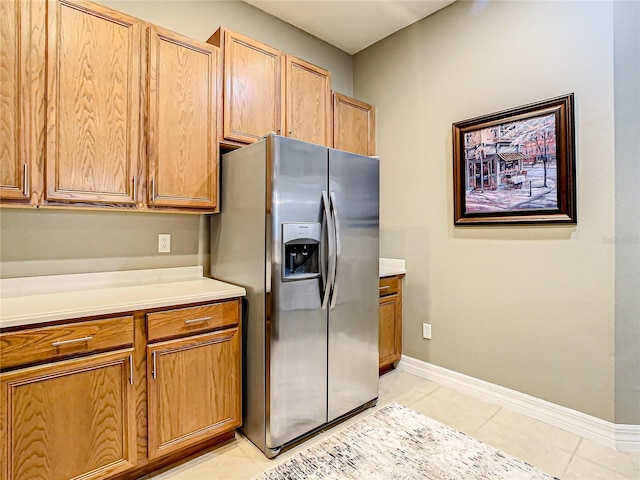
x=391 y=266
x=31 y=300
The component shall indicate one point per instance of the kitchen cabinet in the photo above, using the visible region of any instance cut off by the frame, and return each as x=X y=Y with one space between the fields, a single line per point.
x=94 y=110
x=85 y=402
x=308 y=102
x=354 y=127
x=132 y=393
x=390 y=326
x=268 y=91
x=193 y=381
x=252 y=90
x=184 y=81
x=22 y=68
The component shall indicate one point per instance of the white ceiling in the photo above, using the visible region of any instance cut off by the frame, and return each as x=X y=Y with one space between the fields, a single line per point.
x=350 y=25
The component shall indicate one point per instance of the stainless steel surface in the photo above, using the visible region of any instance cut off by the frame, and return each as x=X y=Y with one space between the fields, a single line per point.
x=240 y=255
x=329 y=265
x=275 y=194
x=67 y=342
x=353 y=323
x=298 y=354
x=197 y=320
x=336 y=222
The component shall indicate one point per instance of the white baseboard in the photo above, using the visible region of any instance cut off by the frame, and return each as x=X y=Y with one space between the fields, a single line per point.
x=620 y=437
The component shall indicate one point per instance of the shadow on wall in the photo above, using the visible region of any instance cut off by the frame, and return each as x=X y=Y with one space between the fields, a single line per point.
x=52 y=242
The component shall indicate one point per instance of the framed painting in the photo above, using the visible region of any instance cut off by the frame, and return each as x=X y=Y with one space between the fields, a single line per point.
x=516 y=166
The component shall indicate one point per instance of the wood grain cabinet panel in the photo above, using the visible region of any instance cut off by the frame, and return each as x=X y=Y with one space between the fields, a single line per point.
x=308 y=102
x=184 y=77
x=22 y=44
x=94 y=107
x=390 y=322
x=252 y=99
x=191 y=320
x=73 y=419
x=32 y=345
x=354 y=128
x=193 y=387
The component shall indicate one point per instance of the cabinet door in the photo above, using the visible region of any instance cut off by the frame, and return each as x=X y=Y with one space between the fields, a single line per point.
x=183 y=121
x=354 y=128
x=388 y=336
x=93 y=121
x=308 y=102
x=73 y=419
x=252 y=89
x=22 y=44
x=193 y=390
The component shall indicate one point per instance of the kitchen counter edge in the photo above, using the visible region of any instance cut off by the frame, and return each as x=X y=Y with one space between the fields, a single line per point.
x=36 y=308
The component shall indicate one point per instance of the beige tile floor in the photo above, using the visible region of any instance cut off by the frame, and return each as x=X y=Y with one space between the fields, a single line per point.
x=553 y=450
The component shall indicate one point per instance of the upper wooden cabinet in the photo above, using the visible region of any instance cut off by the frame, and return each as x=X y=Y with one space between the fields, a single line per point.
x=184 y=81
x=94 y=107
x=22 y=45
x=267 y=91
x=354 y=126
x=308 y=102
x=252 y=87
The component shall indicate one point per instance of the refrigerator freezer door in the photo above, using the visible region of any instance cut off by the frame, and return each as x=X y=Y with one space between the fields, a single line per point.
x=297 y=334
x=353 y=314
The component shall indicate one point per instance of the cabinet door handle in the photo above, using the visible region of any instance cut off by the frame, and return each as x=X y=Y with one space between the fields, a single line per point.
x=153 y=189
x=131 y=369
x=135 y=188
x=197 y=320
x=67 y=342
x=153 y=367
x=25 y=180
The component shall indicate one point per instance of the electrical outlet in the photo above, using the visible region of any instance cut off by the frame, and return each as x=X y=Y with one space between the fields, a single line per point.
x=164 y=243
x=426 y=331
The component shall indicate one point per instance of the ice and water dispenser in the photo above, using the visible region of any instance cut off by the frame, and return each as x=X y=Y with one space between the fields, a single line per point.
x=300 y=251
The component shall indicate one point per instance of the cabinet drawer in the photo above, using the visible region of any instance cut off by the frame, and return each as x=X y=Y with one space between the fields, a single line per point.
x=388 y=285
x=190 y=320
x=48 y=343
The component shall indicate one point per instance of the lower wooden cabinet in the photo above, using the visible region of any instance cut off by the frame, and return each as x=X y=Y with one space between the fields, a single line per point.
x=193 y=389
x=118 y=397
x=390 y=326
x=71 y=419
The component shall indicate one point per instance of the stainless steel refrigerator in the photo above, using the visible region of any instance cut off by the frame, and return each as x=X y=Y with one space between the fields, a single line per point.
x=299 y=230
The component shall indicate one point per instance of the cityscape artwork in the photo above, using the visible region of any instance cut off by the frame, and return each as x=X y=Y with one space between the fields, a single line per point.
x=516 y=166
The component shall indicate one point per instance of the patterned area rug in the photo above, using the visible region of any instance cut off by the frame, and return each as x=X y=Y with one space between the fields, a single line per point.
x=397 y=443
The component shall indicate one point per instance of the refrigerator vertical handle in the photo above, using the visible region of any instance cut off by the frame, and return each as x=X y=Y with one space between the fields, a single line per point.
x=327 y=264
x=336 y=221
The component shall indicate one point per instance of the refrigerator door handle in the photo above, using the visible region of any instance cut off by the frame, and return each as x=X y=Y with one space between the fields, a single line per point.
x=336 y=221
x=326 y=264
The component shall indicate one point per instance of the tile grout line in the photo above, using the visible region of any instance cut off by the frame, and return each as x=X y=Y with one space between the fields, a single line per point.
x=573 y=454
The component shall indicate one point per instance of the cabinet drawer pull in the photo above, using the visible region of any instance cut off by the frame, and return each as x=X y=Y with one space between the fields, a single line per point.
x=197 y=320
x=385 y=287
x=131 y=369
x=135 y=188
x=67 y=342
x=25 y=181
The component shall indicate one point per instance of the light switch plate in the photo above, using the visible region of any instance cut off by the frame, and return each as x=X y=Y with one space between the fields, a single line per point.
x=164 y=243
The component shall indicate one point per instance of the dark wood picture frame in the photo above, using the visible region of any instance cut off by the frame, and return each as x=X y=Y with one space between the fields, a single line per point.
x=516 y=166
